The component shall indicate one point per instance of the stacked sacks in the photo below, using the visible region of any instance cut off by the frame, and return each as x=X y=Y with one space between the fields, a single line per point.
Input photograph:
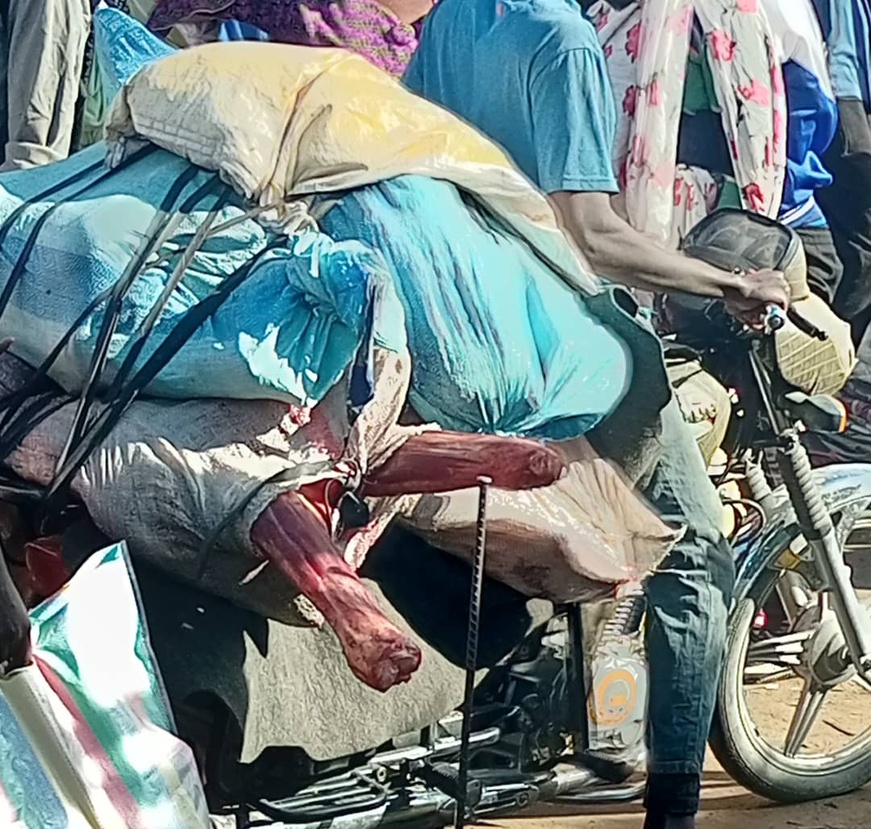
x=498 y=346
x=280 y=123
x=249 y=480
x=316 y=322
x=354 y=127
x=498 y=341
x=288 y=332
x=309 y=323
x=481 y=266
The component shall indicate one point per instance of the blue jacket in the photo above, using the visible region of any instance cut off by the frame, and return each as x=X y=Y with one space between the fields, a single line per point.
x=812 y=110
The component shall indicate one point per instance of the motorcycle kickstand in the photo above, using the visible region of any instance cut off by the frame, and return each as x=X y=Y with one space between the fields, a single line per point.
x=472 y=636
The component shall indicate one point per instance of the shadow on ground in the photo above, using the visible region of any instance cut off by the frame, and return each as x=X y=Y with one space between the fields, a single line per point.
x=725 y=806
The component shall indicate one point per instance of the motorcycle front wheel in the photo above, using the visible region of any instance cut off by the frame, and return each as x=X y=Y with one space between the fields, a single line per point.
x=826 y=748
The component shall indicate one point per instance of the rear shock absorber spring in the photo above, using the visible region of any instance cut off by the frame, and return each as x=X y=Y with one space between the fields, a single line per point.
x=759 y=486
x=757 y=483
x=627 y=616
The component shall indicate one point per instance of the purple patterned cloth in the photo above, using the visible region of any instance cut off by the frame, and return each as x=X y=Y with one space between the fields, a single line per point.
x=361 y=26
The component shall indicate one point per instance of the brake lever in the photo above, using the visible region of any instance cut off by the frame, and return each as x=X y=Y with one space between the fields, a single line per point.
x=805 y=326
x=775 y=319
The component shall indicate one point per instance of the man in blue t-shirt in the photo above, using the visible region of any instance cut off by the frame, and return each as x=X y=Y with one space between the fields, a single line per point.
x=531 y=75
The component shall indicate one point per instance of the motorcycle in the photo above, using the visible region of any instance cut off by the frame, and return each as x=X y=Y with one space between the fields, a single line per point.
x=519 y=702
x=797 y=616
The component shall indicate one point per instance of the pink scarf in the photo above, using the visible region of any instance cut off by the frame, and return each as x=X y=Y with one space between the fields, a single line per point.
x=365 y=27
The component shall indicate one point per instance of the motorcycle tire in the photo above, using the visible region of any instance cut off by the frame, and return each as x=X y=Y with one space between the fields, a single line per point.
x=744 y=755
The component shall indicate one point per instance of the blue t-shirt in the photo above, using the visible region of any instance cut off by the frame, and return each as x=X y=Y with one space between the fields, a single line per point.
x=847 y=28
x=531 y=75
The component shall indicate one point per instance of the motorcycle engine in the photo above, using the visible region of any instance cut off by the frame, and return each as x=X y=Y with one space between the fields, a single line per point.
x=536 y=694
x=618 y=699
x=617 y=702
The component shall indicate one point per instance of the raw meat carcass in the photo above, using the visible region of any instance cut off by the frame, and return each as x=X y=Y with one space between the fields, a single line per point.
x=169 y=472
x=293 y=534
x=447 y=461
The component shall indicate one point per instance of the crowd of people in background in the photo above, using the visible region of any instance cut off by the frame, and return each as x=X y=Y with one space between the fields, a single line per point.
x=847 y=203
x=637 y=119
x=772 y=99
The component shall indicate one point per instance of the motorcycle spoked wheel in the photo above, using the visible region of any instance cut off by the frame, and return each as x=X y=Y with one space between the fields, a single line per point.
x=750 y=759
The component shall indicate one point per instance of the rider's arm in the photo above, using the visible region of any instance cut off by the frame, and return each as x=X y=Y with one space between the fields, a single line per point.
x=617 y=251
x=574 y=124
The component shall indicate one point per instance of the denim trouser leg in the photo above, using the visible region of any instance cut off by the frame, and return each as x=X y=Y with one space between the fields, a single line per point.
x=689 y=603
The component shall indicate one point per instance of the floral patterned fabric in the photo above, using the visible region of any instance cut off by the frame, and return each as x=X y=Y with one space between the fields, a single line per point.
x=361 y=26
x=646 y=46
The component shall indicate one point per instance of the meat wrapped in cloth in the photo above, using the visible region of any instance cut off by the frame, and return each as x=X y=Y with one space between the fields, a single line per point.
x=171 y=472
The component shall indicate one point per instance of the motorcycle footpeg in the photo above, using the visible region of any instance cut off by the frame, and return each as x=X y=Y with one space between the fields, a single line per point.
x=446 y=778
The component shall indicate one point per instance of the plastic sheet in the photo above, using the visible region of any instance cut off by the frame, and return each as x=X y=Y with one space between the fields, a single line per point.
x=67 y=722
x=499 y=343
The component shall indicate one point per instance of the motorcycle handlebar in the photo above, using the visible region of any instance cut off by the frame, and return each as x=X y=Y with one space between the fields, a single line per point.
x=775 y=318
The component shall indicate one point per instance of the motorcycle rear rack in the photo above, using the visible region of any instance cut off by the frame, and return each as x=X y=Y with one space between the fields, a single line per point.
x=421 y=807
x=428 y=808
x=362 y=790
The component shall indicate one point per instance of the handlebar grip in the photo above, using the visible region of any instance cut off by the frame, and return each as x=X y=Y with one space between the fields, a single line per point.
x=775 y=318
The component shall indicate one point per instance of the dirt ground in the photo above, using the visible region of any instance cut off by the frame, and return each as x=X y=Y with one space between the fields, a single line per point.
x=725 y=806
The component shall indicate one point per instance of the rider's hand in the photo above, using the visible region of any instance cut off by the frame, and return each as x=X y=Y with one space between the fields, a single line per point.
x=758 y=291
x=14 y=625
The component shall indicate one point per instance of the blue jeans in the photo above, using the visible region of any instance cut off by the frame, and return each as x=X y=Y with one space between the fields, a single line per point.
x=689 y=599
